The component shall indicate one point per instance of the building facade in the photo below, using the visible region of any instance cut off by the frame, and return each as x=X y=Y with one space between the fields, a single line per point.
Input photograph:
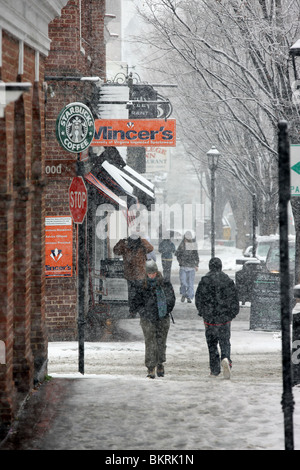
x=24 y=46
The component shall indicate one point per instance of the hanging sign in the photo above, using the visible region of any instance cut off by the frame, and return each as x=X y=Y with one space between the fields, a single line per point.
x=58 y=246
x=135 y=132
x=75 y=127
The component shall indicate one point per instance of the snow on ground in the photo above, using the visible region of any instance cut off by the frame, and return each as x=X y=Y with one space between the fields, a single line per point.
x=186 y=409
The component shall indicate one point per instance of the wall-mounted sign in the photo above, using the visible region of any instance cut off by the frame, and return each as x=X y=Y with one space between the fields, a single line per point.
x=58 y=246
x=157 y=159
x=75 y=127
x=135 y=132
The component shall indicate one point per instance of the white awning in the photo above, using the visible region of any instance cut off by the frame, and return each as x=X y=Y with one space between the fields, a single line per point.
x=123 y=178
x=139 y=177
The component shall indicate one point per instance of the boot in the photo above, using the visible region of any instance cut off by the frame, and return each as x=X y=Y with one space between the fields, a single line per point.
x=151 y=373
x=160 y=370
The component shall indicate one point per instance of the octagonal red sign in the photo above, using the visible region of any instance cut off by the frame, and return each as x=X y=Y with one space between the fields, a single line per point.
x=78 y=199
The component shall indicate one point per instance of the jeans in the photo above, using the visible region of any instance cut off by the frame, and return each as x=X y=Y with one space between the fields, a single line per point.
x=218 y=335
x=187 y=277
x=155 y=334
x=166 y=265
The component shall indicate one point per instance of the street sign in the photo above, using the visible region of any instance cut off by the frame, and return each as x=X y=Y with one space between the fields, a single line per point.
x=78 y=199
x=295 y=169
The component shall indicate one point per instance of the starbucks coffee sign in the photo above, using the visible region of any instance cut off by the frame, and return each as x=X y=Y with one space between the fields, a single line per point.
x=75 y=127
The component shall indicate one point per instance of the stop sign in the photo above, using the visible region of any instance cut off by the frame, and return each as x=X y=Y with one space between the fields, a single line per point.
x=78 y=199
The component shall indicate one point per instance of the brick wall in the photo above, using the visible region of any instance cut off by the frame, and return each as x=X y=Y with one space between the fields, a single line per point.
x=22 y=211
x=70 y=55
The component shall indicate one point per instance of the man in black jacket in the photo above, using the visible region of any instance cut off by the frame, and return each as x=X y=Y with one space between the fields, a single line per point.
x=217 y=302
x=157 y=300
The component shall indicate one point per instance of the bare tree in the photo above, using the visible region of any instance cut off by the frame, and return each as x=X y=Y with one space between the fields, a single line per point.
x=230 y=59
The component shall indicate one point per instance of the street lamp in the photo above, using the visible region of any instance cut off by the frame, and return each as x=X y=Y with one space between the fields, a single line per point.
x=213 y=159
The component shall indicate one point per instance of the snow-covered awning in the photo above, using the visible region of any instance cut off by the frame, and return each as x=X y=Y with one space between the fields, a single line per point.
x=129 y=178
x=105 y=191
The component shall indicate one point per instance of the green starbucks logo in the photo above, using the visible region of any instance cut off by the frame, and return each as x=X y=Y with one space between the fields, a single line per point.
x=75 y=127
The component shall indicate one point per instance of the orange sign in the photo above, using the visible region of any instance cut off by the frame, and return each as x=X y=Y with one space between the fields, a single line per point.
x=135 y=132
x=59 y=246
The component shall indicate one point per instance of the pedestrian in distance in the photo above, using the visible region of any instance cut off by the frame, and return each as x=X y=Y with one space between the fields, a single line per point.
x=217 y=303
x=157 y=300
x=166 y=248
x=134 y=250
x=188 y=259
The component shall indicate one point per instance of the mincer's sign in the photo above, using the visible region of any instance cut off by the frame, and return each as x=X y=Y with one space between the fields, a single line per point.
x=135 y=132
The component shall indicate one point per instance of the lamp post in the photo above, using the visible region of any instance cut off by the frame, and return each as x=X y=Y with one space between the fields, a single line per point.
x=213 y=160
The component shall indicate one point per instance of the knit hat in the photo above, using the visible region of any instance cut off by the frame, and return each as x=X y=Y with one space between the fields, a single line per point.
x=215 y=264
x=151 y=267
x=188 y=235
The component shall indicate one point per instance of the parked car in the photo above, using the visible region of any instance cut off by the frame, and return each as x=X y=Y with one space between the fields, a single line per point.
x=273 y=258
x=244 y=279
x=246 y=276
x=264 y=243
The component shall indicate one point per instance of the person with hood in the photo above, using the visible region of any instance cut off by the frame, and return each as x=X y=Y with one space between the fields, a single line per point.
x=166 y=248
x=217 y=302
x=157 y=300
x=188 y=259
x=134 y=250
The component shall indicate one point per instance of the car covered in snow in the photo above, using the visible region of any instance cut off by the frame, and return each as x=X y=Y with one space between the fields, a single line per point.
x=269 y=262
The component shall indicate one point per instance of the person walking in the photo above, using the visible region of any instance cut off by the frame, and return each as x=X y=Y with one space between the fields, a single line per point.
x=134 y=250
x=166 y=248
x=157 y=300
x=188 y=259
x=217 y=302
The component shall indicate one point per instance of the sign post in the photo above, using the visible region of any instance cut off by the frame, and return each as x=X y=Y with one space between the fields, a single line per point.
x=78 y=208
x=75 y=130
x=284 y=197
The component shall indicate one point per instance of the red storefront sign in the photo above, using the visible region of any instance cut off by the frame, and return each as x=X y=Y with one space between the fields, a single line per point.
x=134 y=132
x=58 y=246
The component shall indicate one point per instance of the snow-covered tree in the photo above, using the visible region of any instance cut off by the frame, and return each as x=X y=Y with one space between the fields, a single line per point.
x=230 y=59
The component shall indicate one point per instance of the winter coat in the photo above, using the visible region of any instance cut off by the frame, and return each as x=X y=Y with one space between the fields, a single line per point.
x=134 y=253
x=148 y=307
x=216 y=298
x=166 y=248
x=187 y=254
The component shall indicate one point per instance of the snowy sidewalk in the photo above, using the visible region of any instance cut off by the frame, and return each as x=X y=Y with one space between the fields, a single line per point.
x=114 y=407
x=120 y=409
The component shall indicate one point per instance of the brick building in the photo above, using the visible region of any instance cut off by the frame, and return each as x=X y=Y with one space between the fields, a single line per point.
x=80 y=38
x=24 y=46
x=77 y=50
x=50 y=45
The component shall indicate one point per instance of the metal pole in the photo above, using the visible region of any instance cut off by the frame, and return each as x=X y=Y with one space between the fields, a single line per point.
x=213 y=211
x=80 y=284
x=254 y=222
x=284 y=196
x=81 y=295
